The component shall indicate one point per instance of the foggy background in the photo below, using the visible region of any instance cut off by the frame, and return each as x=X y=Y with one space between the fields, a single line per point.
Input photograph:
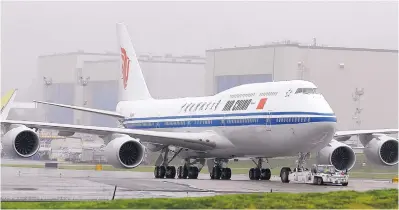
x=30 y=29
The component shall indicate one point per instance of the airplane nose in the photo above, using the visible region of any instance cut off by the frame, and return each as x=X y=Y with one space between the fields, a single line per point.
x=324 y=133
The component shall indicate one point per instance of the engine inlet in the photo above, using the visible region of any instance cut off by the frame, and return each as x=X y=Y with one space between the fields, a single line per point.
x=342 y=158
x=129 y=153
x=389 y=152
x=26 y=143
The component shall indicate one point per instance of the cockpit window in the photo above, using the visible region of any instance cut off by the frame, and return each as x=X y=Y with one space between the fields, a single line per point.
x=307 y=91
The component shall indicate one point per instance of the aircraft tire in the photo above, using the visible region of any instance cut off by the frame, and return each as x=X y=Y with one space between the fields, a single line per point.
x=182 y=172
x=251 y=174
x=345 y=184
x=226 y=174
x=265 y=174
x=156 y=172
x=256 y=173
x=319 y=181
x=159 y=172
x=284 y=175
x=170 y=172
x=193 y=172
x=217 y=172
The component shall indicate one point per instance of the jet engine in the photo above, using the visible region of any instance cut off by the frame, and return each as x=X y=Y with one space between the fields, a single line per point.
x=124 y=152
x=21 y=141
x=381 y=149
x=340 y=155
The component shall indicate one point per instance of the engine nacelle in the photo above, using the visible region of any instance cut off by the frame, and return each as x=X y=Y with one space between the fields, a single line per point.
x=340 y=155
x=21 y=141
x=124 y=152
x=382 y=149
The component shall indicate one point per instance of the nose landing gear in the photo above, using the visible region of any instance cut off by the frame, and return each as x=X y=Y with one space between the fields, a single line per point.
x=285 y=171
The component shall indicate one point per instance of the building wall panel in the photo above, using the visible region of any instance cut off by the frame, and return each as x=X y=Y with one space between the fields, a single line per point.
x=172 y=80
x=103 y=95
x=101 y=70
x=244 y=62
x=59 y=68
x=62 y=93
x=210 y=82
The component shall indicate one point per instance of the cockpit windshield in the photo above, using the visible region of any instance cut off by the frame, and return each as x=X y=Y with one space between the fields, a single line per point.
x=307 y=91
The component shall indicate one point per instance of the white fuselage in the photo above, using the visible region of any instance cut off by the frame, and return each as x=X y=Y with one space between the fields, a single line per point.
x=287 y=123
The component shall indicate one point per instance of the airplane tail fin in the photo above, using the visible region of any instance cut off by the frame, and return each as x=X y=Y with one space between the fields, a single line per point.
x=133 y=85
x=6 y=103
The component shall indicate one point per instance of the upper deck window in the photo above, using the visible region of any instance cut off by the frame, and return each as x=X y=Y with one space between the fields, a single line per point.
x=202 y=106
x=268 y=94
x=307 y=91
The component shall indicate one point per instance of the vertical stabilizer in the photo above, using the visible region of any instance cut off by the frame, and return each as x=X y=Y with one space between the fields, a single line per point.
x=133 y=86
x=6 y=103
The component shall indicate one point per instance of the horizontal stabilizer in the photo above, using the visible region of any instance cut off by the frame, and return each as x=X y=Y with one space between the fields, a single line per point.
x=97 y=111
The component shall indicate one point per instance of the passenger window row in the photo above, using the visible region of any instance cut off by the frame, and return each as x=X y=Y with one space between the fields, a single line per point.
x=175 y=123
x=241 y=121
x=145 y=124
x=293 y=119
x=242 y=95
x=307 y=91
x=202 y=122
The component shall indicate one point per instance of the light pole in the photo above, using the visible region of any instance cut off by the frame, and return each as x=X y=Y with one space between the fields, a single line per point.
x=301 y=69
x=83 y=82
x=356 y=98
x=356 y=116
x=47 y=83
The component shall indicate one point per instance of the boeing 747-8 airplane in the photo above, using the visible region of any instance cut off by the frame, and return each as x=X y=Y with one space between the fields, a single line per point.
x=258 y=121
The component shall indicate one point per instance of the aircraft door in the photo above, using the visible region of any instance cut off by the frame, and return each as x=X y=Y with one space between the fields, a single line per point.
x=269 y=120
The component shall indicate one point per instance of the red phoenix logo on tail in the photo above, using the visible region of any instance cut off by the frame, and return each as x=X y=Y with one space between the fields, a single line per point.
x=125 y=67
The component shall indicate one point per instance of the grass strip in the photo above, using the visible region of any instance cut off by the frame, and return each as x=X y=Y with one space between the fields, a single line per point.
x=374 y=199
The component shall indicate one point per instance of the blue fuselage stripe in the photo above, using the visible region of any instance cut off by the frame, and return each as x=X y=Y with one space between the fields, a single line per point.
x=227 y=120
x=231 y=115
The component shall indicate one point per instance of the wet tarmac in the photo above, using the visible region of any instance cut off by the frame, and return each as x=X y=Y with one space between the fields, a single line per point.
x=62 y=184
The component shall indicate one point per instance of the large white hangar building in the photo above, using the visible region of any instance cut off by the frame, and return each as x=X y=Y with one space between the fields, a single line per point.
x=360 y=84
x=92 y=80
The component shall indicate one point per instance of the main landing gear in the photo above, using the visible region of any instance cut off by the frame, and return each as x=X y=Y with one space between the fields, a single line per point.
x=285 y=171
x=259 y=173
x=218 y=169
x=162 y=168
x=187 y=170
x=190 y=169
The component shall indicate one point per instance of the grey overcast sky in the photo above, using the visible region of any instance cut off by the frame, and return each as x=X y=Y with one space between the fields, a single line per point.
x=30 y=29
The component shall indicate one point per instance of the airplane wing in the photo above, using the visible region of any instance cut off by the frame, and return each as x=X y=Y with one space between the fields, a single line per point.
x=345 y=135
x=195 y=141
x=6 y=103
x=97 y=111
